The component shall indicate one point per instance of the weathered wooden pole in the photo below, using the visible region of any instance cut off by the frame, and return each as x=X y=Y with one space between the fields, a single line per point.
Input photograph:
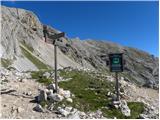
x=55 y=67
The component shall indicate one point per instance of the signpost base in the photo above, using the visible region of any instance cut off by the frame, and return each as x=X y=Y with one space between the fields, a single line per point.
x=117 y=86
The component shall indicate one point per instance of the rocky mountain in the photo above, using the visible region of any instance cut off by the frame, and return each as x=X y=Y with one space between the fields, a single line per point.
x=23 y=47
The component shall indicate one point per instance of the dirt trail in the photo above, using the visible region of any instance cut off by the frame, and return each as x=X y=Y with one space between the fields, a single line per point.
x=18 y=105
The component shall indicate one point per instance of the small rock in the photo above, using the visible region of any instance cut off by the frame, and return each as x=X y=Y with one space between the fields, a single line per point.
x=13 y=108
x=23 y=80
x=51 y=86
x=142 y=116
x=69 y=100
x=4 y=105
x=29 y=93
x=124 y=108
x=82 y=114
x=75 y=116
x=19 y=109
x=68 y=109
x=42 y=96
x=67 y=94
x=49 y=92
x=116 y=106
x=46 y=74
x=38 y=108
x=109 y=94
x=55 y=97
x=114 y=97
x=62 y=111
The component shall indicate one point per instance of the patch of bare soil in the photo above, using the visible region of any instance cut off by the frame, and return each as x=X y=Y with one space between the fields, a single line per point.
x=17 y=101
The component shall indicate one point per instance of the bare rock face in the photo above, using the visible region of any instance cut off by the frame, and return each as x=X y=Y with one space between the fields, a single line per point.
x=23 y=43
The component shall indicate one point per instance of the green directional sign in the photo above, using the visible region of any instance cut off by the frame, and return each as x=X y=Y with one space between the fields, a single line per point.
x=116 y=62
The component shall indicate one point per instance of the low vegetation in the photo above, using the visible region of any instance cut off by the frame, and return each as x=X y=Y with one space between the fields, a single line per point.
x=38 y=75
x=90 y=95
x=27 y=46
x=34 y=60
x=5 y=62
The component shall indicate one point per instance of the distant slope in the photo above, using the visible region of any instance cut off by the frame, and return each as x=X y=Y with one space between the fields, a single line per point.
x=141 y=67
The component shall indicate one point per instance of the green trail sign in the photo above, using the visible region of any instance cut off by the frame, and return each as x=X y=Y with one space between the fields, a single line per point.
x=116 y=62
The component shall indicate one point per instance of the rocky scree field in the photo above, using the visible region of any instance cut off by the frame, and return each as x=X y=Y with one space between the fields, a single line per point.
x=82 y=94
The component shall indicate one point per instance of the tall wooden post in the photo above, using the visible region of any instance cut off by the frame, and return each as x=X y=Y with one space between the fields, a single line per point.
x=55 y=66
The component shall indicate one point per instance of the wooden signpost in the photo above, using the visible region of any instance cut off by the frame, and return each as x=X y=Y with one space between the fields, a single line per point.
x=54 y=37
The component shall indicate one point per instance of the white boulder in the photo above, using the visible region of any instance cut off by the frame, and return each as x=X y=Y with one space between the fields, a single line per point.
x=69 y=100
x=63 y=112
x=51 y=86
x=42 y=96
x=68 y=109
x=55 y=97
x=38 y=108
x=124 y=108
x=47 y=74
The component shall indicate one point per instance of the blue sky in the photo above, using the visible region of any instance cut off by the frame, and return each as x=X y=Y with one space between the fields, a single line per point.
x=133 y=24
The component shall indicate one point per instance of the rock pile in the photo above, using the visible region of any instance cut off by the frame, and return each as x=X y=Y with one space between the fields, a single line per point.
x=122 y=105
x=124 y=108
x=52 y=98
x=50 y=95
x=12 y=75
x=150 y=112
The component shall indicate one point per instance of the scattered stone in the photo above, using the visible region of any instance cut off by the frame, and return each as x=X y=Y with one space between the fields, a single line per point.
x=109 y=94
x=67 y=94
x=114 y=97
x=143 y=116
x=68 y=109
x=29 y=93
x=4 y=105
x=124 y=108
x=62 y=111
x=51 y=86
x=82 y=114
x=69 y=100
x=49 y=92
x=75 y=116
x=55 y=97
x=64 y=93
x=23 y=80
x=42 y=96
x=47 y=74
x=38 y=108
x=13 y=109
x=116 y=106
x=19 y=109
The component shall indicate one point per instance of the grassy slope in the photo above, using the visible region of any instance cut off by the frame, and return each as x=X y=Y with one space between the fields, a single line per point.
x=38 y=75
x=90 y=94
x=34 y=60
x=5 y=62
